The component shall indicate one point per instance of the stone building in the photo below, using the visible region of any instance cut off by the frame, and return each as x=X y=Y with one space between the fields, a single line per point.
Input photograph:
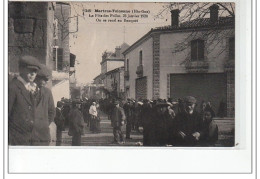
x=191 y=58
x=41 y=29
x=112 y=73
x=30 y=27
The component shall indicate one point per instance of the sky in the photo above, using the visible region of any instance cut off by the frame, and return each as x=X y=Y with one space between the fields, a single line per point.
x=93 y=38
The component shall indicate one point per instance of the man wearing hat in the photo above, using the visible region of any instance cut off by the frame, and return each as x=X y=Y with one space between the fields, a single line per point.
x=60 y=122
x=188 y=124
x=44 y=124
x=21 y=104
x=76 y=127
x=117 y=121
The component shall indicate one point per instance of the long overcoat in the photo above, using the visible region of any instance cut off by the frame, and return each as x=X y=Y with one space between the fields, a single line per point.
x=21 y=114
x=44 y=115
x=117 y=116
x=76 y=122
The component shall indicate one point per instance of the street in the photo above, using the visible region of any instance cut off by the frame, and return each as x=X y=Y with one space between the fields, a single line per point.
x=105 y=138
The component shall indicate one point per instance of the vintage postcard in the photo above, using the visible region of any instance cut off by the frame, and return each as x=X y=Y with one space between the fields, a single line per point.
x=122 y=74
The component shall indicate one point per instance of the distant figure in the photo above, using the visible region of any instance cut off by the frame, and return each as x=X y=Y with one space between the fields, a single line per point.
x=59 y=121
x=93 y=117
x=76 y=127
x=117 y=121
x=128 y=114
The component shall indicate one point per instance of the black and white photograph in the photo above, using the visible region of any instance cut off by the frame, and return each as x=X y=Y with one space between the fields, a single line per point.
x=125 y=75
x=121 y=74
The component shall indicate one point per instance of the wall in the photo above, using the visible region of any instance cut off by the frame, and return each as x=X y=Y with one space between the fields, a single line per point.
x=29 y=24
x=133 y=56
x=111 y=65
x=215 y=53
x=62 y=89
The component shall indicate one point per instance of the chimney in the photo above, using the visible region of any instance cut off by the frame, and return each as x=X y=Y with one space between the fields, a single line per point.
x=118 y=51
x=214 y=13
x=175 y=17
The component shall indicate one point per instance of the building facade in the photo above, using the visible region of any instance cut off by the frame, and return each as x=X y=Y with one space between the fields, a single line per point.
x=111 y=79
x=192 y=58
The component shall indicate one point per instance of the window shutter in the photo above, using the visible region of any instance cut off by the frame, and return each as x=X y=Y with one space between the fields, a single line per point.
x=193 y=50
x=232 y=48
x=200 y=50
x=60 y=58
x=140 y=58
x=54 y=58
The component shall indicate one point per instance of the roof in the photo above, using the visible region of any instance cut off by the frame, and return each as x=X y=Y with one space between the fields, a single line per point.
x=114 y=70
x=99 y=76
x=199 y=23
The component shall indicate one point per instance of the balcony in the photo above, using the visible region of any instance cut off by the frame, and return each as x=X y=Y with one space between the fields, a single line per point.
x=126 y=75
x=197 y=66
x=139 y=71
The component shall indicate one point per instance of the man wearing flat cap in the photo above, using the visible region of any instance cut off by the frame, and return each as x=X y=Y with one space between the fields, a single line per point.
x=187 y=125
x=117 y=121
x=21 y=103
x=44 y=124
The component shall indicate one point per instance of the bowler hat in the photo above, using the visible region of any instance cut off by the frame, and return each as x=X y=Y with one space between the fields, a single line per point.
x=29 y=62
x=190 y=99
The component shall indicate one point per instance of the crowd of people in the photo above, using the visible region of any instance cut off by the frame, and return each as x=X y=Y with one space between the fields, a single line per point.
x=167 y=123
x=32 y=115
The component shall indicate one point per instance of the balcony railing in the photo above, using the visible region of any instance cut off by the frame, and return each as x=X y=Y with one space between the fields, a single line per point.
x=139 y=71
x=197 y=66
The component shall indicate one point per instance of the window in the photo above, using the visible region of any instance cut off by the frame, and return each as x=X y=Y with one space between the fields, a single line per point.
x=197 y=50
x=141 y=57
x=127 y=64
x=60 y=59
x=232 y=48
x=54 y=58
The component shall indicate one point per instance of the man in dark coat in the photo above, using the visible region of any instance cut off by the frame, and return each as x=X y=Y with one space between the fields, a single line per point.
x=44 y=109
x=21 y=107
x=117 y=121
x=147 y=122
x=188 y=124
x=59 y=121
x=76 y=128
x=128 y=114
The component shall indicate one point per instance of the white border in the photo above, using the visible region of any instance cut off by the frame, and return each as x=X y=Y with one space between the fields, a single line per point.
x=139 y=160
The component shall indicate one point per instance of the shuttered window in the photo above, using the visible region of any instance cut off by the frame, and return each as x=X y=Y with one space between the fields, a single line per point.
x=232 y=48
x=197 y=50
x=141 y=57
x=127 y=64
x=54 y=58
x=60 y=59
x=141 y=88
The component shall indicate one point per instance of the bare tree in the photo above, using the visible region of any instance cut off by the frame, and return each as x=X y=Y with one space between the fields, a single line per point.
x=197 y=11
